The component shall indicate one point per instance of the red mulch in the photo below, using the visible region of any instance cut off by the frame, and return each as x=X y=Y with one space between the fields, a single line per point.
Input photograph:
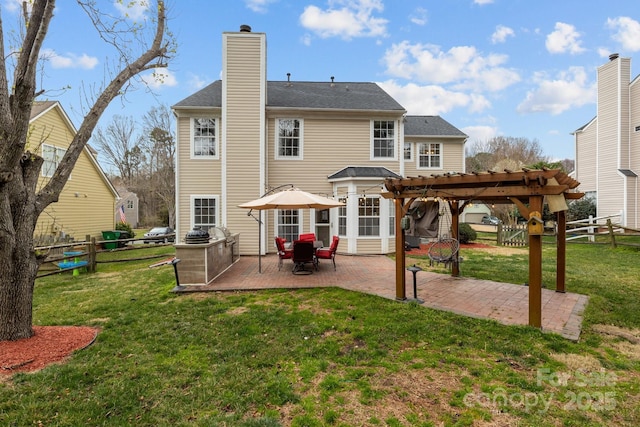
x=424 y=248
x=49 y=344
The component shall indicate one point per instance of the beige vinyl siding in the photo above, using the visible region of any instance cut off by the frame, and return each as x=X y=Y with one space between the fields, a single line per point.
x=370 y=246
x=634 y=137
x=87 y=203
x=625 y=73
x=452 y=156
x=197 y=176
x=245 y=85
x=610 y=198
x=586 y=158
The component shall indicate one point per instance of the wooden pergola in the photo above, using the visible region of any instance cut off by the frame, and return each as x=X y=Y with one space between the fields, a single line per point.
x=526 y=188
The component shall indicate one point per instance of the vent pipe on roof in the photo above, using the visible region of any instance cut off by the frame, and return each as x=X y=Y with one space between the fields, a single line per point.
x=613 y=56
x=332 y=84
x=288 y=77
x=245 y=29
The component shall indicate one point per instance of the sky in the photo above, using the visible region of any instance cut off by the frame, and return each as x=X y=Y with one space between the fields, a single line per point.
x=513 y=68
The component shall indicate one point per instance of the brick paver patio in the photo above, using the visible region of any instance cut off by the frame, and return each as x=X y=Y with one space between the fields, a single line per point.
x=503 y=302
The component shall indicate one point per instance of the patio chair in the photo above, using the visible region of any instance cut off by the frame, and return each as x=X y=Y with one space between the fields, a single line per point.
x=282 y=252
x=303 y=253
x=330 y=252
x=307 y=237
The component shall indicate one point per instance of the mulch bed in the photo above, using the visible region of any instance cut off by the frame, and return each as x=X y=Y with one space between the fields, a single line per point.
x=49 y=344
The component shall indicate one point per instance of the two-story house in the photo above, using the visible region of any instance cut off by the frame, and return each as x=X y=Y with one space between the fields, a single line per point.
x=87 y=201
x=608 y=147
x=244 y=135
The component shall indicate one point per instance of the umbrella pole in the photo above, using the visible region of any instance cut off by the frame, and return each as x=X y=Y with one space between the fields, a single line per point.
x=259 y=241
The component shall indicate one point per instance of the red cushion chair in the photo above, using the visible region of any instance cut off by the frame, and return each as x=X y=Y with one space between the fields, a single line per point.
x=330 y=252
x=307 y=237
x=282 y=252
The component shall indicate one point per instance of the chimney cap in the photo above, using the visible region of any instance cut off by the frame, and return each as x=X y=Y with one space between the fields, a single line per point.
x=613 y=56
x=245 y=28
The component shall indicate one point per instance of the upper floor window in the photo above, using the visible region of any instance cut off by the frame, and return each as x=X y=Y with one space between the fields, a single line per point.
x=430 y=155
x=383 y=141
x=205 y=141
x=52 y=157
x=408 y=151
x=289 y=139
x=129 y=204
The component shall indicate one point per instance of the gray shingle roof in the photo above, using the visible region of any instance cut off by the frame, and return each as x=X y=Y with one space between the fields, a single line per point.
x=364 y=172
x=430 y=126
x=313 y=95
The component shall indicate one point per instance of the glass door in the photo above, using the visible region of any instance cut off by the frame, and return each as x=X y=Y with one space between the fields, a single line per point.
x=323 y=230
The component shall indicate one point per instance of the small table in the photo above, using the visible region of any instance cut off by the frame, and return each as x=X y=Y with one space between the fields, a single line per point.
x=76 y=263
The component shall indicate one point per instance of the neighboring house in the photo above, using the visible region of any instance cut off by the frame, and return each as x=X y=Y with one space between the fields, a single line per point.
x=474 y=212
x=243 y=135
x=608 y=146
x=127 y=207
x=87 y=202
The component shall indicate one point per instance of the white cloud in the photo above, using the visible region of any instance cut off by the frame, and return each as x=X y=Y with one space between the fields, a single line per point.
x=483 y=2
x=259 y=6
x=462 y=66
x=501 y=33
x=480 y=133
x=196 y=82
x=159 y=78
x=432 y=99
x=627 y=32
x=564 y=39
x=354 y=18
x=134 y=10
x=71 y=60
x=419 y=16
x=568 y=90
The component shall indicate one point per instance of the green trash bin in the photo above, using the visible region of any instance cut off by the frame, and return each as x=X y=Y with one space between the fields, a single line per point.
x=111 y=235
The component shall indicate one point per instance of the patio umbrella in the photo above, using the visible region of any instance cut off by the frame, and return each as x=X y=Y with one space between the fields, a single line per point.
x=292 y=198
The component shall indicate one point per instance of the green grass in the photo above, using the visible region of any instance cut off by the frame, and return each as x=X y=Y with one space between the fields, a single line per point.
x=329 y=357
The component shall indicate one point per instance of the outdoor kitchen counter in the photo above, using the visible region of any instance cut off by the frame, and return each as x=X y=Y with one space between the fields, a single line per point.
x=201 y=263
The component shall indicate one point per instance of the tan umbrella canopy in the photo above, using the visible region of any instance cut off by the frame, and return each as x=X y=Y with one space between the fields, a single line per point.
x=292 y=198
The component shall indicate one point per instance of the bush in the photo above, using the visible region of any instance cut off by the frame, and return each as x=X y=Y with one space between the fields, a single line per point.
x=581 y=209
x=125 y=226
x=466 y=234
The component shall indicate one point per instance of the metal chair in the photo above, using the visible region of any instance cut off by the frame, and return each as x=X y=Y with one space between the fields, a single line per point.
x=282 y=252
x=330 y=252
x=303 y=253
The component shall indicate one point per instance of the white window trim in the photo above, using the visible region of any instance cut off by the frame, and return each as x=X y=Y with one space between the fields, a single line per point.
x=276 y=215
x=192 y=154
x=277 y=139
x=396 y=130
x=412 y=146
x=441 y=167
x=192 y=213
x=381 y=225
x=57 y=161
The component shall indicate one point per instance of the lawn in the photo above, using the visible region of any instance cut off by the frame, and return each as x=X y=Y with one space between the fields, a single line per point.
x=330 y=357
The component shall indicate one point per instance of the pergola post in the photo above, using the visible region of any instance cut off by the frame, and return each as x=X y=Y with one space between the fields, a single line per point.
x=561 y=250
x=535 y=266
x=454 y=207
x=401 y=294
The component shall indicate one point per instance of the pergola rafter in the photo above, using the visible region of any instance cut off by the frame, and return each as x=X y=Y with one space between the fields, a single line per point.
x=526 y=188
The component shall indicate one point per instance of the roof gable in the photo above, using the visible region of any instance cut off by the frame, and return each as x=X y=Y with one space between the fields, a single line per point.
x=351 y=172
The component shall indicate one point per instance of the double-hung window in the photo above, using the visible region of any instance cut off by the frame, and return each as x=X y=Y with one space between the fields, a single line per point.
x=52 y=157
x=205 y=211
x=430 y=155
x=288 y=224
x=408 y=152
x=342 y=217
x=369 y=216
x=205 y=138
x=289 y=138
x=392 y=217
x=383 y=140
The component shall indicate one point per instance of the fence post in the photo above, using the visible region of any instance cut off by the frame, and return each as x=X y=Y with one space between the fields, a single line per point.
x=92 y=255
x=612 y=237
x=592 y=230
x=499 y=241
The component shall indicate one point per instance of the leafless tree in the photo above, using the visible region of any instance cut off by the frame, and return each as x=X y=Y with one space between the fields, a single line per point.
x=119 y=144
x=502 y=152
x=21 y=202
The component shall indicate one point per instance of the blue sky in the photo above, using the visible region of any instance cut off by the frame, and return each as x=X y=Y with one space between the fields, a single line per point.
x=519 y=68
